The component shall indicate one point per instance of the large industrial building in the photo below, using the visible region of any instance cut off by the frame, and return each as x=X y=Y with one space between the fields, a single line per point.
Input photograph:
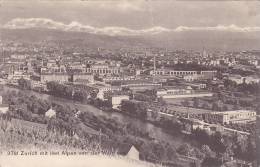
x=227 y=117
x=57 y=77
x=180 y=92
x=103 y=69
x=170 y=72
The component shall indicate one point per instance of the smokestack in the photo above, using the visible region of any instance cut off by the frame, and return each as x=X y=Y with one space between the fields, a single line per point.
x=154 y=67
x=154 y=64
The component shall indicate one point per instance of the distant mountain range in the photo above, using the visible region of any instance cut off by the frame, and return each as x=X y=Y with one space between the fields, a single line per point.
x=195 y=40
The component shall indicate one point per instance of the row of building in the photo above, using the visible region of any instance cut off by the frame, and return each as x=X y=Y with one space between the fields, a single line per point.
x=227 y=117
x=181 y=92
x=185 y=74
x=238 y=79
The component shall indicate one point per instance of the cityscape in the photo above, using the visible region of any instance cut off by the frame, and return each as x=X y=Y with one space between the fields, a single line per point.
x=111 y=92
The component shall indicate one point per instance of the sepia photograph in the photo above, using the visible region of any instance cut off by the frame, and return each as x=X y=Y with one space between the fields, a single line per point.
x=129 y=83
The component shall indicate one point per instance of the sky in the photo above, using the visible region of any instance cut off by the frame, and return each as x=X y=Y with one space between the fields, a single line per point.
x=129 y=17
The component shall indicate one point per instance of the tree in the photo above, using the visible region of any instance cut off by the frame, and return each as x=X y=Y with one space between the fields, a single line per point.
x=184 y=149
x=207 y=151
x=225 y=108
x=68 y=92
x=24 y=83
x=185 y=103
x=215 y=106
x=138 y=109
x=205 y=106
x=197 y=153
x=228 y=153
x=211 y=162
x=250 y=153
x=171 y=153
x=235 y=107
x=231 y=85
x=154 y=115
x=80 y=96
x=217 y=143
x=106 y=104
x=142 y=97
x=201 y=136
x=170 y=124
x=257 y=108
x=162 y=101
x=93 y=94
x=51 y=86
x=195 y=102
x=159 y=151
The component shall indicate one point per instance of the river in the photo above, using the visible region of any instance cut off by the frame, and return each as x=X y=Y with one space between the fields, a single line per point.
x=154 y=131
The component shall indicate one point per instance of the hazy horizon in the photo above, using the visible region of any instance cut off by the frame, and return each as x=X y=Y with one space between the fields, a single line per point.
x=191 y=24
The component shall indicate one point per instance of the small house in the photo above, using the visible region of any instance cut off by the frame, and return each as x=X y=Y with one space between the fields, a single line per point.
x=128 y=151
x=50 y=113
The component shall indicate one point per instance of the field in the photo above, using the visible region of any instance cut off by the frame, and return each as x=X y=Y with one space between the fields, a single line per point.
x=75 y=161
x=18 y=134
x=24 y=140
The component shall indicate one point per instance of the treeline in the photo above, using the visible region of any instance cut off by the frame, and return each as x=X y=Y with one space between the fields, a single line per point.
x=238 y=146
x=147 y=95
x=24 y=84
x=80 y=94
x=23 y=106
x=33 y=109
x=135 y=108
x=68 y=91
x=250 y=88
x=140 y=110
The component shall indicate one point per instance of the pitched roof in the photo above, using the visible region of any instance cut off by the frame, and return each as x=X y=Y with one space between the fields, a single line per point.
x=124 y=148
